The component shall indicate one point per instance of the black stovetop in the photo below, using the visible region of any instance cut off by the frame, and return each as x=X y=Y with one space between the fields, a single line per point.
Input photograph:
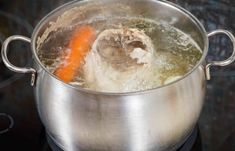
x=20 y=127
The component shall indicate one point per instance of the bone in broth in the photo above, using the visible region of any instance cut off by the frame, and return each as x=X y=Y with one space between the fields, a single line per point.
x=119 y=55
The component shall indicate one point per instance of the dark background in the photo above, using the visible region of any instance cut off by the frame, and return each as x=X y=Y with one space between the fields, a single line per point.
x=217 y=121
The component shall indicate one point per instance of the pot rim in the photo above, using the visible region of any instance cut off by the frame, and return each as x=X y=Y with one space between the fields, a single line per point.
x=169 y=4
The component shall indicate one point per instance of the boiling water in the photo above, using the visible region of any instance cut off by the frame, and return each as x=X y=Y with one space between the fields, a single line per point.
x=175 y=53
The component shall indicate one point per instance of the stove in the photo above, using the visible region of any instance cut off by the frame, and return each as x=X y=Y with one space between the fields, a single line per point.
x=20 y=126
x=193 y=143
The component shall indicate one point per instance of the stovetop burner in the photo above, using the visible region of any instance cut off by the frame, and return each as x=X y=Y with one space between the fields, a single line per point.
x=7 y=123
x=193 y=143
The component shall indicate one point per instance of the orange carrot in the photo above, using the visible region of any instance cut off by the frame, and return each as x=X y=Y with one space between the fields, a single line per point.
x=79 y=46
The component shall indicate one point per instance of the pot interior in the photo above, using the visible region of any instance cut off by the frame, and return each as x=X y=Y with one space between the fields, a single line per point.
x=165 y=13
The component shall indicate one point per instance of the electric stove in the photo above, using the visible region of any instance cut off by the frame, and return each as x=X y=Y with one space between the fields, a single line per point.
x=193 y=143
x=20 y=126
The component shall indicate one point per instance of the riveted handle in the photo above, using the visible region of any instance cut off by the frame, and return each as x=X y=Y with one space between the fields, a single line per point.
x=12 y=67
x=226 y=62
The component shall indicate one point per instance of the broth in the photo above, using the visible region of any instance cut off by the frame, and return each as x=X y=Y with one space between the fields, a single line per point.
x=175 y=54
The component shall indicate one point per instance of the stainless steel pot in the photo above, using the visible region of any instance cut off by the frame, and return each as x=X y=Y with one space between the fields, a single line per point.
x=160 y=119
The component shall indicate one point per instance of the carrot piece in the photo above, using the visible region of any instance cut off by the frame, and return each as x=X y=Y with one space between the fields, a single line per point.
x=79 y=46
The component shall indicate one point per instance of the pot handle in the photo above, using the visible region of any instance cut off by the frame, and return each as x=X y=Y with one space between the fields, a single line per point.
x=226 y=62
x=11 y=66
